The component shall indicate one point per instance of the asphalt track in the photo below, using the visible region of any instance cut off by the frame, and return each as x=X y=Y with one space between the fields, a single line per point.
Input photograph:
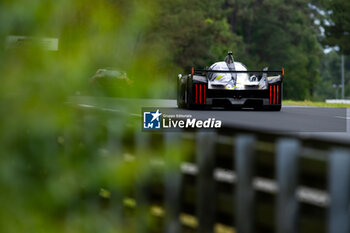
x=316 y=122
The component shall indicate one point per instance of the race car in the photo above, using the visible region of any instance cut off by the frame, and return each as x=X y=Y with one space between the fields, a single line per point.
x=229 y=84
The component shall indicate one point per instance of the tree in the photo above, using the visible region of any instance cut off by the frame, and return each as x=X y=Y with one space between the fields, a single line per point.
x=330 y=75
x=279 y=34
x=196 y=34
x=337 y=25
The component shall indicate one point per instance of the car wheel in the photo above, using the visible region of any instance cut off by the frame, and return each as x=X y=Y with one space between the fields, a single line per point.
x=276 y=108
x=189 y=95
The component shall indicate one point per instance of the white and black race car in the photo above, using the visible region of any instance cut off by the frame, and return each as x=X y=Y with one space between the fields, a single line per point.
x=229 y=84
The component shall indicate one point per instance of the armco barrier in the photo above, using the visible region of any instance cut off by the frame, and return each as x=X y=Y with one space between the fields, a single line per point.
x=244 y=180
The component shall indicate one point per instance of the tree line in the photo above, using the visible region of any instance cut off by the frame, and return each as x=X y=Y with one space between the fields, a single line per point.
x=272 y=33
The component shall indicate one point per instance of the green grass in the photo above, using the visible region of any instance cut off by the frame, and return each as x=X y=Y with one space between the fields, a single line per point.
x=314 y=104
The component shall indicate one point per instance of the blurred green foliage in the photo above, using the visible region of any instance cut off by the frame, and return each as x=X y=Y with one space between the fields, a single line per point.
x=55 y=158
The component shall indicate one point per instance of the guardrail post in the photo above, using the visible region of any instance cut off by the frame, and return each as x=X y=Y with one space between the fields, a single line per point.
x=339 y=189
x=142 y=178
x=205 y=145
x=287 y=180
x=244 y=194
x=172 y=184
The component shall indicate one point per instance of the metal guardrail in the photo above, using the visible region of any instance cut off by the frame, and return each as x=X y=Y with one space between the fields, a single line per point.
x=243 y=185
x=288 y=193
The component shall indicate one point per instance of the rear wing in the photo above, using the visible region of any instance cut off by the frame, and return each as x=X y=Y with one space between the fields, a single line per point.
x=281 y=72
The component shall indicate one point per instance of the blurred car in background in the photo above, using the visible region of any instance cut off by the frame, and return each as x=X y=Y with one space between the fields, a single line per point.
x=110 y=82
x=104 y=76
